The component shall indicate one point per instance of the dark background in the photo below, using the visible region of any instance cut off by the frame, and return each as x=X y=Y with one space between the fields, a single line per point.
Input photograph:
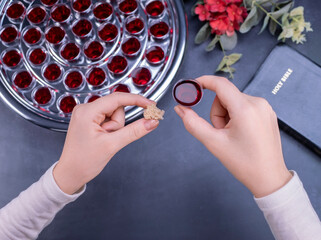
x=166 y=185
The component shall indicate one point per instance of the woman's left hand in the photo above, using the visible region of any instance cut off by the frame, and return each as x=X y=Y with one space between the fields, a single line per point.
x=96 y=133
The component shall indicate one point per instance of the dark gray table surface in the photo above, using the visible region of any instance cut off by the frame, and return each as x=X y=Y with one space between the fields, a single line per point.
x=166 y=185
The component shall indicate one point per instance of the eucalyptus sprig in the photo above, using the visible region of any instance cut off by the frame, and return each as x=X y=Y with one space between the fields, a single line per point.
x=227 y=62
x=278 y=16
x=292 y=22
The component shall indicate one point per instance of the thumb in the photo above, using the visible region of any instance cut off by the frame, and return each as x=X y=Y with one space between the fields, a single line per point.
x=134 y=131
x=199 y=127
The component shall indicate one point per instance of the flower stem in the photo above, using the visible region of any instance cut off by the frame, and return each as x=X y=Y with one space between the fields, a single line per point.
x=267 y=13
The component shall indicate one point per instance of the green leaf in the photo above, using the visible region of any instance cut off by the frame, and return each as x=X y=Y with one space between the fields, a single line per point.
x=212 y=44
x=252 y=19
x=247 y=3
x=227 y=61
x=272 y=27
x=248 y=22
x=228 y=43
x=281 y=4
x=228 y=70
x=285 y=20
x=233 y=58
x=273 y=8
x=261 y=2
x=265 y=23
x=203 y=34
x=222 y=64
x=277 y=14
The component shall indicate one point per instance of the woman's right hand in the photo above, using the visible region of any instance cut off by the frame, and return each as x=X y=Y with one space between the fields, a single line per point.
x=244 y=136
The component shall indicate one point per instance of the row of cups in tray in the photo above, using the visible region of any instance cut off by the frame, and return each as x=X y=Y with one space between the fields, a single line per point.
x=38 y=56
x=101 y=11
x=55 y=34
x=45 y=97
x=81 y=28
x=74 y=80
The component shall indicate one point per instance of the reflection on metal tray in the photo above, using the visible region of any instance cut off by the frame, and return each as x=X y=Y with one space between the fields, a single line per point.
x=58 y=53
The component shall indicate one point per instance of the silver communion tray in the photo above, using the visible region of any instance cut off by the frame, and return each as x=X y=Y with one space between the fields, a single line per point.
x=55 y=54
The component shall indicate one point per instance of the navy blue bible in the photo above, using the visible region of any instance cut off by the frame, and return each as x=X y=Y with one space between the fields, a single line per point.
x=291 y=83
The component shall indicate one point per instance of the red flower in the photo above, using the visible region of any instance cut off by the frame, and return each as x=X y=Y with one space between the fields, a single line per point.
x=235 y=13
x=244 y=14
x=231 y=29
x=202 y=12
x=233 y=1
x=224 y=16
x=220 y=25
x=216 y=5
x=236 y=26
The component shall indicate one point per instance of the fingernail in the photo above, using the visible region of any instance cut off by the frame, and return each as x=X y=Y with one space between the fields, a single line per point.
x=180 y=112
x=151 y=124
x=151 y=102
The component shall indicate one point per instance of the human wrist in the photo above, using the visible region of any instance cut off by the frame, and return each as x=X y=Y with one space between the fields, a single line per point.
x=270 y=184
x=67 y=179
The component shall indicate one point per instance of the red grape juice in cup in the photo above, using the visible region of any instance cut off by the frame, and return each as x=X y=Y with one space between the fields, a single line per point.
x=187 y=92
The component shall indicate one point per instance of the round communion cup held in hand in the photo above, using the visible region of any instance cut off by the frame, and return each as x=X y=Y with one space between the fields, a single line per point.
x=187 y=92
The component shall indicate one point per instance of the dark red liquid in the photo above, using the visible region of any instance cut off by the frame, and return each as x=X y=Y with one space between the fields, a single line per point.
x=52 y=72
x=141 y=76
x=37 y=15
x=70 y=51
x=108 y=33
x=118 y=64
x=37 y=56
x=121 y=88
x=93 y=98
x=82 y=28
x=15 y=10
x=131 y=46
x=23 y=80
x=94 y=50
x=49 y=3
x=67 y=104
x=103 y=11
x=74 y=80
x=81 y=5
x=96 y=77
x=135 y=26
x=12 y=58
x=32 y=36
x=43 y=95
x=155 y=8
x=55 y=35
x=155 y=54
x=187 y=93
x=61 y=13
x=128 y=6
x=9 y=34
x=159 y=30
